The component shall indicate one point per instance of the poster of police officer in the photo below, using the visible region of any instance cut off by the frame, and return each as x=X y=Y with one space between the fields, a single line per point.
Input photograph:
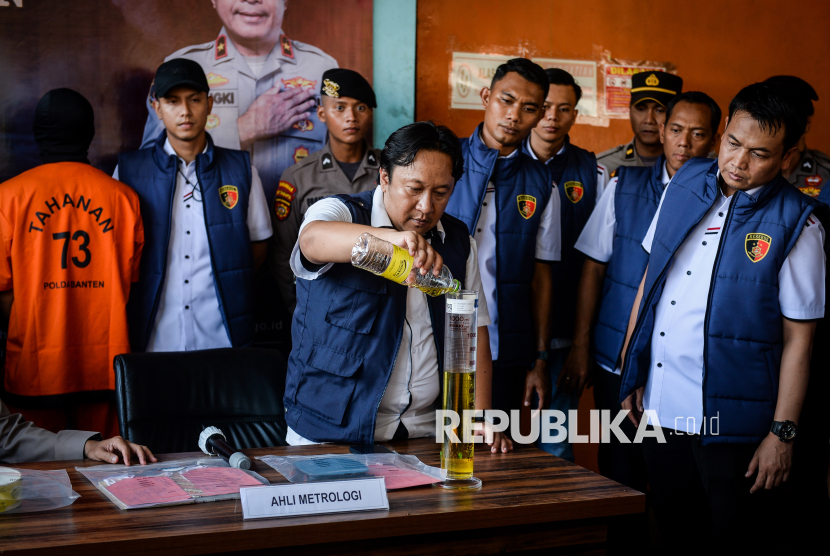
x=263 y=60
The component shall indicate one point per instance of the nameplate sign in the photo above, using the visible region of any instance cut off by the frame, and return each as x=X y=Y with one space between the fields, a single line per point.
x=313 y=498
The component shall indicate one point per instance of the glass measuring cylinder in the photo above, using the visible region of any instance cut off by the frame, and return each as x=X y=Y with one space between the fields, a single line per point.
x=460 y=336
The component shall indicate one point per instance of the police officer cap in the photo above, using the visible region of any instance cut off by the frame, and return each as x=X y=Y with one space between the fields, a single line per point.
x=179 y=72
x=339 y=82
x=658 y=86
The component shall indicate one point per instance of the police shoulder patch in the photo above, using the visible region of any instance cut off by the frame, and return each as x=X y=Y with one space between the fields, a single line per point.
x=757 y=246
x=221 y=48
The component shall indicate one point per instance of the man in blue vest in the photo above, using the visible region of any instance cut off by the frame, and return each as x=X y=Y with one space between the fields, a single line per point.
x=509 y=203
x=614 y=265
x=720 y=334
x=206 y=224
x=580 y=183
x=366 y=360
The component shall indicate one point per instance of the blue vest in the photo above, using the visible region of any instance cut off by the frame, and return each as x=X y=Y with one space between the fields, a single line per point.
x=514 y=179
x=576 y=175
x=636 y=199
x=151 y=172
x=346 y=333
x=743 y=333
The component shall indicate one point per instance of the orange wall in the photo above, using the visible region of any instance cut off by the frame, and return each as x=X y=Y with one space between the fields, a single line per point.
x=718 y=46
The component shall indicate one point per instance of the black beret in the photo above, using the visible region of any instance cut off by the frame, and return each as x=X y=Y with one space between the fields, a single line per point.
x=339 y=82
x=658 y=86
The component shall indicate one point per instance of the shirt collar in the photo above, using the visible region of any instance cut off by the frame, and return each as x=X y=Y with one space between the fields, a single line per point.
x=665 y=179
x=380 y=218
x=511 y=155
x=168 y=148
x=532 y=154
x=751 y=192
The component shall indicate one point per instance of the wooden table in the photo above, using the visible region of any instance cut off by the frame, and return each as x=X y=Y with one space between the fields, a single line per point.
x=529 y=500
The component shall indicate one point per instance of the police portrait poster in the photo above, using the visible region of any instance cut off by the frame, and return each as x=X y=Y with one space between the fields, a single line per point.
x=108 y=50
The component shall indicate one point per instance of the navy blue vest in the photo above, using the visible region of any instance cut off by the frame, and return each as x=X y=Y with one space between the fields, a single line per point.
x=151 y=172
x=636 y=199
x=576 y=175
x=514 y=178
x=743 y=337
x=346 y=333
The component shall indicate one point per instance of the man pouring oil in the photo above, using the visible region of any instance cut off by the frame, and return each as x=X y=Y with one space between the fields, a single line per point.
x=365 y=365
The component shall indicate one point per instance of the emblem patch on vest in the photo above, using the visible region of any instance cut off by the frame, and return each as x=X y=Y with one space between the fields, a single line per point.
x=757 y=246
x=574 y=191
x=527 y=205
x=813 y=181
x=229 y=195
x=212 y=121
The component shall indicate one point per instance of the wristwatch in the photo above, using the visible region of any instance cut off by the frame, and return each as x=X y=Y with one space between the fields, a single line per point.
x=784 y=430
x=542 y=355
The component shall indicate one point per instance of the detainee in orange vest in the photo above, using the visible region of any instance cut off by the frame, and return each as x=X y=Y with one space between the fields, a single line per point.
x=71 y=243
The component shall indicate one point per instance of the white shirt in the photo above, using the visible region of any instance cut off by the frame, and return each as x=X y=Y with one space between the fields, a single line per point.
x=415 y=374
x=674 y=389
x=602 y=173
x=188 y=316
x=548 y=248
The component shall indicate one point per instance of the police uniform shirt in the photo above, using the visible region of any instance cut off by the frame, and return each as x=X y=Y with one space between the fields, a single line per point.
x=602 y=171
x=811 y=173
x=413 y=387
x=548 y=248
x=188 y=316
x=674 y=391
x=621 y=155
x=313 y=178
x=234 y=86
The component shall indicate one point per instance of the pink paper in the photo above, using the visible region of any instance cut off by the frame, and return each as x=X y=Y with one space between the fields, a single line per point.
x=396 y=477
x=214 y=481
x=148 y=490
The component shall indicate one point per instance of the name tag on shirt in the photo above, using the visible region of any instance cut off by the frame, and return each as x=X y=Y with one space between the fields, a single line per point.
x=314 y=498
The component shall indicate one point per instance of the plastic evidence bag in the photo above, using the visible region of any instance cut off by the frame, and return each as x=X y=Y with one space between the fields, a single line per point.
x=398 y=470
x=170 y=483
x=27 y=490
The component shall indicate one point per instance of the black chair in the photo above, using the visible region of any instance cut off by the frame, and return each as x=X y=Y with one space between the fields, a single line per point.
x=165 y=400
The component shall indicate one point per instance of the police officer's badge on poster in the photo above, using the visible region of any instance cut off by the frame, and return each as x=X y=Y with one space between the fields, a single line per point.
x=471 y=72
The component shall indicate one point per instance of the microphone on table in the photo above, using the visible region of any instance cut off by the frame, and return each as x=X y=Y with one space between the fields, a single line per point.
x=212 y=441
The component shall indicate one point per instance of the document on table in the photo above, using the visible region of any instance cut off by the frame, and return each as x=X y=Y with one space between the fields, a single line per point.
x=397 y=477
x=215 y=481
x=140 y=491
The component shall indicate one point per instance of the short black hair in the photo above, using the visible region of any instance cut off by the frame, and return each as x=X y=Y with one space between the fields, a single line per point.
x=800 y=89
x=558 y=76
x=772 y=109
x=696 y=97
x=529 y=70
x=404 y=145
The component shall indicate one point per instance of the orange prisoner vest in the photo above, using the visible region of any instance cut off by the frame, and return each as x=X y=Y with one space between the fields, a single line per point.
x=71 y=243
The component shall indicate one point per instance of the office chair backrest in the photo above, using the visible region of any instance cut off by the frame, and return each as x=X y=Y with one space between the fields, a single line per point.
x=165 y=400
